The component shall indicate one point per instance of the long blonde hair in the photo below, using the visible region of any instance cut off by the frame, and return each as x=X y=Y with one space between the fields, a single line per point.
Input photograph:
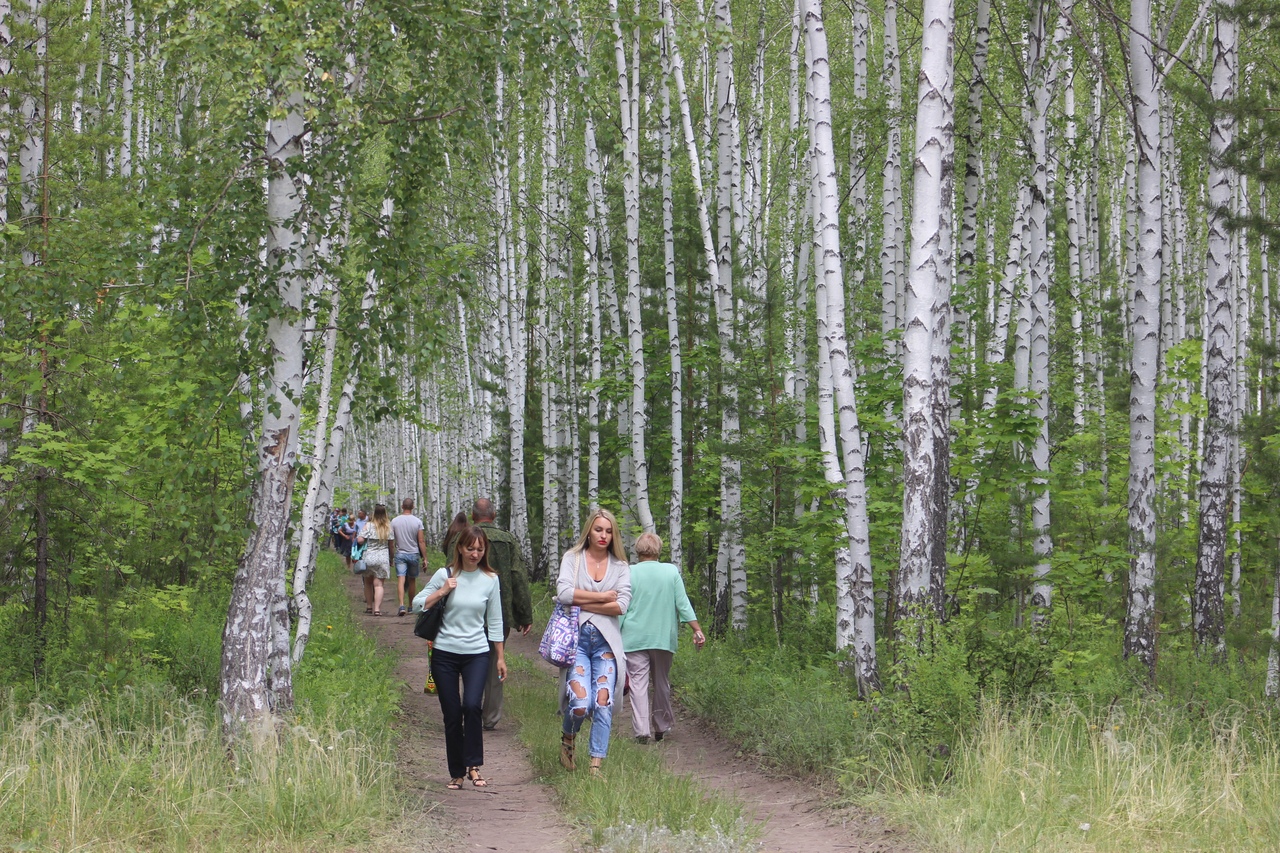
x=615 y=545
x=380 y=523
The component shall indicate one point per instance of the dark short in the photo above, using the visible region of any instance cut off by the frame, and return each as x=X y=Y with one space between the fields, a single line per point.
x=344 y=547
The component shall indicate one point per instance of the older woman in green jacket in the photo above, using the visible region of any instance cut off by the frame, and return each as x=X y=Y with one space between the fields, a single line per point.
x=650 y=635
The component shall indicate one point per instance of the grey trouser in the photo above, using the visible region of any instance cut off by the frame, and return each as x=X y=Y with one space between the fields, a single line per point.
x=644 y=667
x=492 y=711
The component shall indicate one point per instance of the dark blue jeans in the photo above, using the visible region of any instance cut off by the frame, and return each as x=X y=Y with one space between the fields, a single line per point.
x=463 y=733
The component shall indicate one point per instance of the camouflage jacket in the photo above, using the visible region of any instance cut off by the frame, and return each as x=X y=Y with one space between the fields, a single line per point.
x=513 y=580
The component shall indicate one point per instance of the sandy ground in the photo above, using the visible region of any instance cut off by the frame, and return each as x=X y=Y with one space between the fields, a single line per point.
x=518 y=814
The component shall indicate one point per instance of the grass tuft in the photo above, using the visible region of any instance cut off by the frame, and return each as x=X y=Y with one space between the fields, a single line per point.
x=640 y=807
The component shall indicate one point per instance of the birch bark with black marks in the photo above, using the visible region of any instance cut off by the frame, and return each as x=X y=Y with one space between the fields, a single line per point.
x=927 y=292
x=731 y=577
x=1208 y=615
x=629 y=110
x=855 y=599
x=254 y=682
x=1144 y=325
x=675 y=520
x=893 y=236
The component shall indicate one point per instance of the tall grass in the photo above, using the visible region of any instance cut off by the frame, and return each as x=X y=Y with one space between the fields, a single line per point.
x=640 y=807
x=1056 y=777
x=144 y=768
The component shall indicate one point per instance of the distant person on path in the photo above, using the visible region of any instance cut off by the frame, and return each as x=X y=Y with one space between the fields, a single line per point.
x=517 y=606
x=595 y=576
x=347 y=538
x=470 y=634
x=335 y=524
x=650 y=634
x=379 y=549
x=411 y=547
x=362 y=519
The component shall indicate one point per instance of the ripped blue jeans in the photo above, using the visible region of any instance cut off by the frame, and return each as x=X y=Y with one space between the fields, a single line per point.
x=591 y=683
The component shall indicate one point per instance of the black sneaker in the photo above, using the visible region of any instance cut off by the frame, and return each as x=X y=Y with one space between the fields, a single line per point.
x=659 y=735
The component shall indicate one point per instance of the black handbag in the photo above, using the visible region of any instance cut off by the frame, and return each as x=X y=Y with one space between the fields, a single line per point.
x=431 y=618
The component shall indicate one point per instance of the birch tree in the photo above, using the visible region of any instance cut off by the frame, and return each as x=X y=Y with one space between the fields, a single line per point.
x=920 y=588
x=855 y=601
x=1144 y=335
x=629 y=110
x=249 y=687
x=1208 y=617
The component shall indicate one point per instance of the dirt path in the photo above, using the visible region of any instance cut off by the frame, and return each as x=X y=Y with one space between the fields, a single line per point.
x=519 y=814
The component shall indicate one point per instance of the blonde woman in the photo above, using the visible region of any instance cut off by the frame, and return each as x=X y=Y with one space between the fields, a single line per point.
x=595 y=576
x=379 y=550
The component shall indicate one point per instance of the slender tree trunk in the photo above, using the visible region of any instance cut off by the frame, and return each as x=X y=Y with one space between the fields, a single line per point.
x=676 y=519
x=1043 y=76
x=254 y=682
x=855 y=599
x=731 y=580
x=927 y=303
x=1140 y=629
x=894 y=236
x=1272 y=686
x=635 y=334
x=1208 y=614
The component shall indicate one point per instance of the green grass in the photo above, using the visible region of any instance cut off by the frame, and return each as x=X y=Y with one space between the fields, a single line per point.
x=640 y=807
x=1055 y=777
x=143 y=768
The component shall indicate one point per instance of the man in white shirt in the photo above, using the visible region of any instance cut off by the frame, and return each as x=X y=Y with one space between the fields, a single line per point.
x=411 y=548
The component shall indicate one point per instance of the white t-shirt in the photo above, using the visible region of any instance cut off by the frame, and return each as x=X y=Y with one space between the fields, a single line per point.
x=405 y=528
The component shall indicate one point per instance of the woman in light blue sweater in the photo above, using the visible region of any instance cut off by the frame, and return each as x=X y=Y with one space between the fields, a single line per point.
x=472 y=620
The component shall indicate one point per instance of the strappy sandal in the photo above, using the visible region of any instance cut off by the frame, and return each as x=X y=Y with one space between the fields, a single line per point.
x=455 y=784
x=477 y=781
x=377 y=613
x=566 y=752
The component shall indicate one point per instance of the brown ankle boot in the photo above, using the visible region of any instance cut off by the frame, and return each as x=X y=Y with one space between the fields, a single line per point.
x=566 y=752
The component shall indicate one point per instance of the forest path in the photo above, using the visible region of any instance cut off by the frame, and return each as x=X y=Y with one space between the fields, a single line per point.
x=518 y=813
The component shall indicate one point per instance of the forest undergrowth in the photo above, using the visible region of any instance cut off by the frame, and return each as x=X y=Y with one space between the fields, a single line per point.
x=128 y=756
x=1087 y=759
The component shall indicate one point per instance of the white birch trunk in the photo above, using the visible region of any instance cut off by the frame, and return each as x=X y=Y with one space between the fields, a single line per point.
x=676 y=516
x=1043 y=74
x=893 y=236
x=32 y=147
x=1272 y=685
x=126 y=92
x=731 y=578
x=1140 y=636
x=919 y=591
x=254 y=680
x=1208 y=617
x=635 y=336
x=855 y=599
x=6 y=132
x=967 y=246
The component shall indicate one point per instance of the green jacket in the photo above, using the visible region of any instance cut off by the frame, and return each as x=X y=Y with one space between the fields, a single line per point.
x=513 y=580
